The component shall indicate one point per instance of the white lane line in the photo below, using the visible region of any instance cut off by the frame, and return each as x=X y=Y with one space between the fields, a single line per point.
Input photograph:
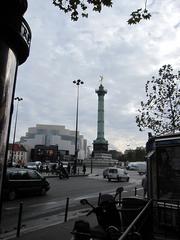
x=38 y=205
x=59 y=203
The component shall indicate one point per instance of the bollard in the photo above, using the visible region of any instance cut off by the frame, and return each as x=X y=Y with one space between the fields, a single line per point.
x=99 y=199
x=120 y=199
x=66 y=211
x=135 y=191
x=19 y=219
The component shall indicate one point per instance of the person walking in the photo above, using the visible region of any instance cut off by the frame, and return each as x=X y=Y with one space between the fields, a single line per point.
x=73 y=169
x=69 y=168
x=84 y=169
x=47 y=169
x=144 y=185
x=41 y=168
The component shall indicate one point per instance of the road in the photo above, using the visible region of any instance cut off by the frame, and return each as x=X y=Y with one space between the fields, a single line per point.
x=50 y=209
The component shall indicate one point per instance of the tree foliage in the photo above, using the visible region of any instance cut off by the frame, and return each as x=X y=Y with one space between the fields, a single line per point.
x=116 y=154
x=74 y=7
x=136 y=155
x=161 y=111
x=138 y=15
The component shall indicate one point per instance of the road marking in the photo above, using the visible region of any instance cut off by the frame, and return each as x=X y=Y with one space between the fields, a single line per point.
x=62 y=202
x=59 y=203
x=46 y=204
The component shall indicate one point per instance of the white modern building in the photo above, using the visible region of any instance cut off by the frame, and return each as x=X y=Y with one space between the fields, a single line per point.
x=48 y=135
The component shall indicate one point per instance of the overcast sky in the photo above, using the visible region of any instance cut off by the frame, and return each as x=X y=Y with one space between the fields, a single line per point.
x=104 y=44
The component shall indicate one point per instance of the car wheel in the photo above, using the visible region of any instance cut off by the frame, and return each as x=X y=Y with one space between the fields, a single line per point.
x=43 y=191
x=12 y=195
x=119 y=179
x=127 y=180
x=109 y=179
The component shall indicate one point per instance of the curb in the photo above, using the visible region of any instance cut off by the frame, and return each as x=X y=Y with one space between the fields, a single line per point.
x=73 y=215
x=56 y=176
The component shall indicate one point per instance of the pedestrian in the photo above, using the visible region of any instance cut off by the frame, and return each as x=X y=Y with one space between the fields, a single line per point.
x=47 y=169
x=41 y=168
x=144 y=185
x=69 y=168
x=84 y=169
x=53 y=168
x=73 y=169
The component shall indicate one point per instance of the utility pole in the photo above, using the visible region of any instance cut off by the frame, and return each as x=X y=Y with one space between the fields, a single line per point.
x=15 y=125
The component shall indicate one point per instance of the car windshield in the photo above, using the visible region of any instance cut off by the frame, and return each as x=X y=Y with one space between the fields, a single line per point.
x=112 y=170
x=22 y=174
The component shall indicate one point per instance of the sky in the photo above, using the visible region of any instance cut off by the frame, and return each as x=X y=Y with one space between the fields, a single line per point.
x=101 y=45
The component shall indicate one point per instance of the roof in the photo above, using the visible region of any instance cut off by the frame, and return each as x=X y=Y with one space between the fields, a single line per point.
x=16 y=147
x=166 y=136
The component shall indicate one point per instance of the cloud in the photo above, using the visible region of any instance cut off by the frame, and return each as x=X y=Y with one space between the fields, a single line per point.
x=127 y=56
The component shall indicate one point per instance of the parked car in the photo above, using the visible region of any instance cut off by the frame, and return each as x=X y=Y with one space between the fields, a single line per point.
x=118 y=174
x=24 y=181
x=32 y=165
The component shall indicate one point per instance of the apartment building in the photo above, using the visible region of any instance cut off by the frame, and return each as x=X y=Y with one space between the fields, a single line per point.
x=17 y=154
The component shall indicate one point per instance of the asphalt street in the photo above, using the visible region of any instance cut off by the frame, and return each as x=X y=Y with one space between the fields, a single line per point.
x=47 y=210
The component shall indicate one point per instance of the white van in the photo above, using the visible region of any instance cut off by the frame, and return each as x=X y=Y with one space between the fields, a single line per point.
x=142 y=168
x=137 y=166
x=118 y=174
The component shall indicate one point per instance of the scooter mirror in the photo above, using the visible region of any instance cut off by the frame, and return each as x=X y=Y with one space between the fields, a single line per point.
x=83 y=201
x=119 y=190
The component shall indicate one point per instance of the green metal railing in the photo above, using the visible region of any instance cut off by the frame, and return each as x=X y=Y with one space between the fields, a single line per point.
x=158 y=219
x=141 y=227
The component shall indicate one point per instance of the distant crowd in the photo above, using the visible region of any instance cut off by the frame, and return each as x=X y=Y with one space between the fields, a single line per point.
x=60 y=169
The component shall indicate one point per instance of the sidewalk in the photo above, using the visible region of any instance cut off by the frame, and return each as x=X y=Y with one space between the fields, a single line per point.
x=50 y=175
x=60 y=231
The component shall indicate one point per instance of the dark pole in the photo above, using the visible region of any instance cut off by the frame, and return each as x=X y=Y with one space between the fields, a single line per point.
x=66 y=210
x=78 y=82
x=19 y=219
x=91 y=166
x=90 y=156
x=15 y=125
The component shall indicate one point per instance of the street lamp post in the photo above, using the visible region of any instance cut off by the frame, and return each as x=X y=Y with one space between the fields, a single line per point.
x=77 y=83
x=15 y=124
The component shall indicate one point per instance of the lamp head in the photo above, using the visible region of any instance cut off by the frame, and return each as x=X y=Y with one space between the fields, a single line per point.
x=78 y=82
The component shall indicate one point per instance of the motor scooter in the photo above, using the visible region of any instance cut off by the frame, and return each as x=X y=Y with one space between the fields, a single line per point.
x=108 y=218
x=63 y=173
